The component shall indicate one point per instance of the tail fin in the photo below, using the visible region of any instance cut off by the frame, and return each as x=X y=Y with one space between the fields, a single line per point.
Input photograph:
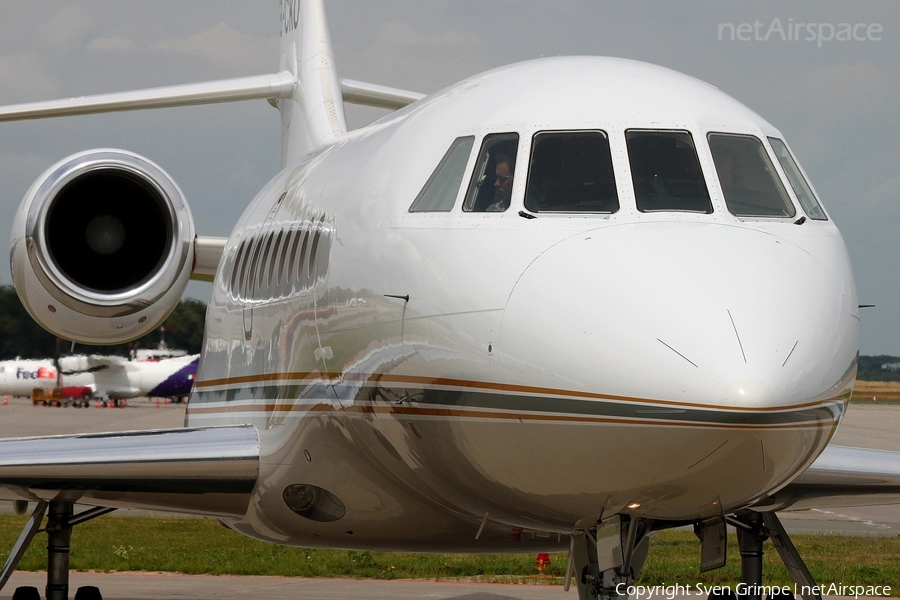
x=306 y=89
x=314 y=114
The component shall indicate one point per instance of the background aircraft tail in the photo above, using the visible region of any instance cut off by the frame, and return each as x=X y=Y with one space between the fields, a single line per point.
x=314 y=113
x=306 y=90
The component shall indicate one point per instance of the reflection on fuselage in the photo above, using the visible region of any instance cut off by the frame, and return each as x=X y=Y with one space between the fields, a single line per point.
x=618 y=337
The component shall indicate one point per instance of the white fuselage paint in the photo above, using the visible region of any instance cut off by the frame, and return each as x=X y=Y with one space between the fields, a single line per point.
x=19 y=377
x=542 y=372
x=107 y=377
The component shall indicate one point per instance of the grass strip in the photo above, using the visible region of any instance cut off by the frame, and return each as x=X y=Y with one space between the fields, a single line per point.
x=886 y=392
x=203 y=546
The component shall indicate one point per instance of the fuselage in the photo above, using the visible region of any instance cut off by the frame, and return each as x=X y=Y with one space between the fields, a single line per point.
x=454 y=377
x=109 y=377
x=168 y=378
x=20 y=376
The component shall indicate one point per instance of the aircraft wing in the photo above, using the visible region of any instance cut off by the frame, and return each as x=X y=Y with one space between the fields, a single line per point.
x=113 y=362
x=72 y=365
x=210 y=471
x=842 y=476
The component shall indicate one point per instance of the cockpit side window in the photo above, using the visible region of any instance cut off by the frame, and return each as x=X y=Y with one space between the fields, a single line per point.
x=439 y=192
x=798 y=182
x=571 y=172
x=666 y=172
x=491 y=186
x=749 y=182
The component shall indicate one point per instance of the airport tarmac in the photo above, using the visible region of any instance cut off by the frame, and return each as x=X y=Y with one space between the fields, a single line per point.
x=153 y=586
x=19 y=418
x=168 y=586
x=868 y=425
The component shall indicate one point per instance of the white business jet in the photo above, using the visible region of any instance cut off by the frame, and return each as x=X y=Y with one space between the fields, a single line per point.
x=564 y=304
x=109 y=377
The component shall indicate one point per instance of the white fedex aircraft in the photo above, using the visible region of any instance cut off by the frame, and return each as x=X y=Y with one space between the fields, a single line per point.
x=109 y=377
x=564 y=304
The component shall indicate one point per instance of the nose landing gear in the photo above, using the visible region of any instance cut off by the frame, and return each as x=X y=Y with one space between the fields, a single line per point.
x=606 y=559
x=752 y=530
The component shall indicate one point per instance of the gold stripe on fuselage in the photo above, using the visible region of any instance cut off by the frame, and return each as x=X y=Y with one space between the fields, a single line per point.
x=487 y=386
x=823 y=415
x=443 y=413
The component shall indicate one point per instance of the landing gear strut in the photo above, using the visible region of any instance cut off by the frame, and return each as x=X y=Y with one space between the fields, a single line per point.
x=752 y=530
x=59 y=536
x=60 y=521
x=606 y=559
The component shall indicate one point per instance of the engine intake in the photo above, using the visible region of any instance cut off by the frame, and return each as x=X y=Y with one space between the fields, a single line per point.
x=102 y=247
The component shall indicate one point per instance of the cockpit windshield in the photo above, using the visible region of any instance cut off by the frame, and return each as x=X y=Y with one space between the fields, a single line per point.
x=749 y=182
x=571 y=172
x=666 y=172
x=491 y=187
x=439 y=193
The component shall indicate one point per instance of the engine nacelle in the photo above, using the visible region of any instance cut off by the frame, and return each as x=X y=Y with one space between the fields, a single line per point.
x=102 y=247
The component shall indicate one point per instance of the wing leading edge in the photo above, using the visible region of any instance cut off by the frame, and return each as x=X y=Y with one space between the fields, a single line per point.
x=842 y=476
x=210 y=471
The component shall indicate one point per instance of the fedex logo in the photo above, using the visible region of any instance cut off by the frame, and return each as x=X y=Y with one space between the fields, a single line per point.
x=41 y=373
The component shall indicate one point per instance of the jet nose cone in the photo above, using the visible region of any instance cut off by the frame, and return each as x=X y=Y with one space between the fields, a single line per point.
x=748 y=392
x=701 y=313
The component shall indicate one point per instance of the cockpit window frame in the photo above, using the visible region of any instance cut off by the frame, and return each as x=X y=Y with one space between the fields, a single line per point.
x=768 y=167
x=476 y=199
x=806 y=196
x=576 y=186
x=440 y=192
x=666 y=184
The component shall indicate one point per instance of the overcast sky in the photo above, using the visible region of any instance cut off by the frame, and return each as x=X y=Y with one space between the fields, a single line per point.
x=835 y=100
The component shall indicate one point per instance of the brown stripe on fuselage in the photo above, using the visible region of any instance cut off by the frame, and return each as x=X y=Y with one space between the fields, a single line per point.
x=447 y=413
x=502 y=387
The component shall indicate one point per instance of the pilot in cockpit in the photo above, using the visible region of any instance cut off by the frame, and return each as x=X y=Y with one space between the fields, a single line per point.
x=503 y=170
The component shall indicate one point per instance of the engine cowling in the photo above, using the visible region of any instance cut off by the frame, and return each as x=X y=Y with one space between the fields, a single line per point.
x=102 y=247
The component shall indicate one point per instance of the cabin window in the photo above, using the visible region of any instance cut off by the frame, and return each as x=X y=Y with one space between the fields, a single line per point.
x=747 y=176
x=798 y=182
x=439 y=193
x=571 y=172
x=666 y=172
x=491 y=187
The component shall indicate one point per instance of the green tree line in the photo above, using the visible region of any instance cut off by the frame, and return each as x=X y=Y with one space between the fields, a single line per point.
x=21 y=336
x=870 y=368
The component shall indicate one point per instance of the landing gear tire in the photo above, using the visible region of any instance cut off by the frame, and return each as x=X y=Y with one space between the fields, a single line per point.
x=26 y=592
x=88 y=592
x=780 y=595
x=722 y=594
